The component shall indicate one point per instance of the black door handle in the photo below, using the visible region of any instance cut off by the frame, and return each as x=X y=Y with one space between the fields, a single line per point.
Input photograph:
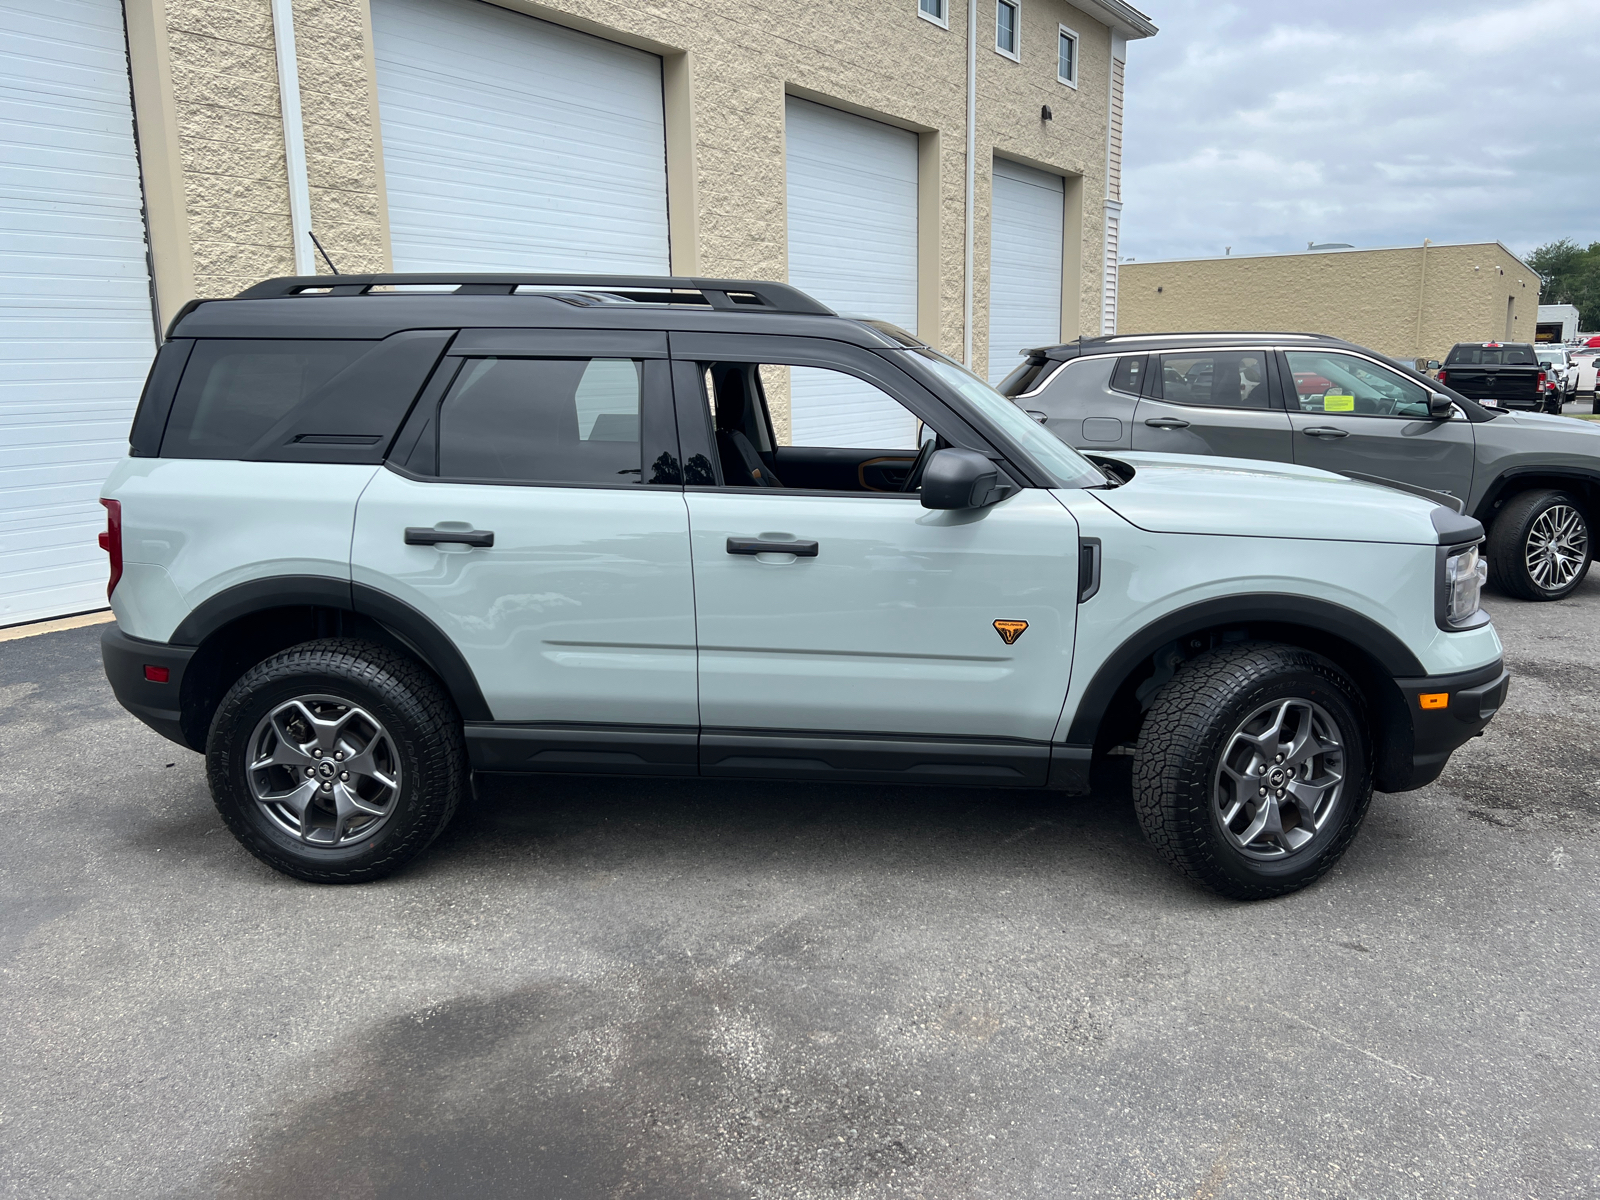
x=1167 y=423
x=419 y=536
x=759 y=546
x=1325 y=431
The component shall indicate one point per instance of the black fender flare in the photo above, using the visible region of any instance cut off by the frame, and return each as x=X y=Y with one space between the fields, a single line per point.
x=1320 y=616
x=411 y=627
x=1508 y=480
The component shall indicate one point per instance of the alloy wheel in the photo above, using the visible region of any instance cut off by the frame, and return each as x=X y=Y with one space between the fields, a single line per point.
x=1280 y=778
x=1556 y=548
x=323 y=770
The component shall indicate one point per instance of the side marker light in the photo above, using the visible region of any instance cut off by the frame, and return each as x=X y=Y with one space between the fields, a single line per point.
x=1434 y=700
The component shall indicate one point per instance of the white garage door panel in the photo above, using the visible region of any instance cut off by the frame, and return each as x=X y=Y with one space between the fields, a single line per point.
x=75 y=326
x=853 y=245
x=511 y=144
x=1024 y=264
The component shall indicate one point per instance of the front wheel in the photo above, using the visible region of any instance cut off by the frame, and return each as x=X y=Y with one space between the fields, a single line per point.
x=336 y=761
x=1252 y=772
x=1539 y=546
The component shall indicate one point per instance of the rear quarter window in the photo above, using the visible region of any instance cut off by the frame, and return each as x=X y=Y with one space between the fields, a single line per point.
x=234 y=391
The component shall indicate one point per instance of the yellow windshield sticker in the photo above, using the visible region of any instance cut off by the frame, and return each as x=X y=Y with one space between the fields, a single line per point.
x=1338 y=402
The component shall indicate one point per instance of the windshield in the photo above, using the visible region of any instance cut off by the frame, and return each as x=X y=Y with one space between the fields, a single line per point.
x=1552 y=356
x=1070 y=469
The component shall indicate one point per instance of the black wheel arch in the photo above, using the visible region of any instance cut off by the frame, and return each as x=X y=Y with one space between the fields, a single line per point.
x=1583 y=485
x=1111 y=709
x=244 y=624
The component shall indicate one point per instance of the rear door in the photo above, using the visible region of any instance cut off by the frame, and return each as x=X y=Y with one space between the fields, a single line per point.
x=1357 y=417
x=1212 y=401
x=533 y=510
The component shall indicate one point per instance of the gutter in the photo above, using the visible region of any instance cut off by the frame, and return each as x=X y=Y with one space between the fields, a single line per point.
x=972 y=153
x=294 y=137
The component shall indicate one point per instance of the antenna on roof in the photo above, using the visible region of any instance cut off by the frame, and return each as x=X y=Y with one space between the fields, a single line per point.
x=322 y=252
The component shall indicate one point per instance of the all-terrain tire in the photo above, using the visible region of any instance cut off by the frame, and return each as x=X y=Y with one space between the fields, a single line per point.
x=1518 y=521
x=425 y=752
x=1194 y=720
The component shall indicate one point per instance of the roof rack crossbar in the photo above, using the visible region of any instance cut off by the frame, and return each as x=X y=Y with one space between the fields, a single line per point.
x=719 y=293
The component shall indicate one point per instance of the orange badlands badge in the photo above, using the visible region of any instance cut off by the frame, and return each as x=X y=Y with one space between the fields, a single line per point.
x=1010 y=630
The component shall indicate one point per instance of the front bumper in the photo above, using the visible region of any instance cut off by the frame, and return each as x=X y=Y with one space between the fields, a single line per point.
x=158 y=705
x=1420 y=744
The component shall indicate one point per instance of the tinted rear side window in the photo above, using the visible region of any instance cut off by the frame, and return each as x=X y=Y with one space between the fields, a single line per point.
x=234 y=391
x=1129 y=375
x=1220 y=378
x=1490 y=356
x=542 y=420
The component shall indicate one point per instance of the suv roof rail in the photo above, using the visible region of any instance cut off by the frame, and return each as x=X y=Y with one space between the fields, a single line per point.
x=1209 y=333
x=726 y=294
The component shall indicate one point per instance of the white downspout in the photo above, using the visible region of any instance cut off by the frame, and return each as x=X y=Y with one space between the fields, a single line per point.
x=294 y=137
x=972 y=153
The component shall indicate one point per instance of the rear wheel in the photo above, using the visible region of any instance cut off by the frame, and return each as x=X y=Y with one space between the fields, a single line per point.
x=1252 y=773
x=336 y=761
x=1539 y=546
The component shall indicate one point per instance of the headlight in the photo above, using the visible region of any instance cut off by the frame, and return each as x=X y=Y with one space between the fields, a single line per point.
x=1464 y=574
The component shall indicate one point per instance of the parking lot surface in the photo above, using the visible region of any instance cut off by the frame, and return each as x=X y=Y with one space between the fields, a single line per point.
x=664 y=989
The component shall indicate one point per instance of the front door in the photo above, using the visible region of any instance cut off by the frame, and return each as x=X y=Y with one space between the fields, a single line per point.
x=1357 y=417
x=893 y=641
x=1212 y=402
x=535 y=514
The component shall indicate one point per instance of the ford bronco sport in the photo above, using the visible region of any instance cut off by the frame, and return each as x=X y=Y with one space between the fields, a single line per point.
x=375 y=533
x=1532 y=480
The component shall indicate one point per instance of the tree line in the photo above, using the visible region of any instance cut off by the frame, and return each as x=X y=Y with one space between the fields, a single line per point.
x=1571 y=275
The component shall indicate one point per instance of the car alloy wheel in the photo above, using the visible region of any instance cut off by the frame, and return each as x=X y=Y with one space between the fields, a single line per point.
x=324 y=770
x=1556 y=548
x=1280 y=778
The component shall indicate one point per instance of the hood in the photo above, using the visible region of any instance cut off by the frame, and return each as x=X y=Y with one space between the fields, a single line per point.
x=1234 y=497
x=1547 y=423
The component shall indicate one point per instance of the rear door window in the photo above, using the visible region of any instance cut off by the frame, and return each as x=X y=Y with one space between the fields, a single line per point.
x=1216 y=378
x=234 y=390
x=543 y=420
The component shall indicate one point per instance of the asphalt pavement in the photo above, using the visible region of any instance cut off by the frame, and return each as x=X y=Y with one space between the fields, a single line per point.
x=621 y=988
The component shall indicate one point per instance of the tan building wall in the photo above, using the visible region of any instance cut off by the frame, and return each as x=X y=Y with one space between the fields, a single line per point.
x=206 y=92
x=1412 y=302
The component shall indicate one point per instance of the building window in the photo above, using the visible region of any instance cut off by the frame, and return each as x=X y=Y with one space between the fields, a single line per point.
x=1067 y=57
x=1007 y=19
x=936 y=11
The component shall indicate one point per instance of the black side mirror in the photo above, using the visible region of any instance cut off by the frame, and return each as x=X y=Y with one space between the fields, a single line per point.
x=959 y=479
x=1439 y=406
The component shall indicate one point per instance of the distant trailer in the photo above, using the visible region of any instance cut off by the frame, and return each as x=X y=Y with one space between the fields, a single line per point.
x=1557 y=323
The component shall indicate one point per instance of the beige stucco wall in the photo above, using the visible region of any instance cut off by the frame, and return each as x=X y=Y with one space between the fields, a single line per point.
x=726 y=79
x=1413 y=302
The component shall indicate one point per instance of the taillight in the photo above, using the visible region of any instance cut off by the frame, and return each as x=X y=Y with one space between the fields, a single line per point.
x=111 y=542
x=1441 y=376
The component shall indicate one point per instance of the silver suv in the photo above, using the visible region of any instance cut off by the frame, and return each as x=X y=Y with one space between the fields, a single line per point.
x=1532 y=480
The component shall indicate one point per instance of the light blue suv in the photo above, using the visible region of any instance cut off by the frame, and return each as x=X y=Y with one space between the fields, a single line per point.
x=377 y=532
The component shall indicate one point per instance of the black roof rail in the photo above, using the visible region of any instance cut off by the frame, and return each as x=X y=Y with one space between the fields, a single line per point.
x=718 y=293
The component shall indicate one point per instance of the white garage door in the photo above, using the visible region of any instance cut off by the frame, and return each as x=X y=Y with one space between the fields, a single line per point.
x=1024 y=264
x=511 y=144
x=852 y=245
x=75 y=328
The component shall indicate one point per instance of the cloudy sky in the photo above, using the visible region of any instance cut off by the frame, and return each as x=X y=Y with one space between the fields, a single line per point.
x=1266 y=124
